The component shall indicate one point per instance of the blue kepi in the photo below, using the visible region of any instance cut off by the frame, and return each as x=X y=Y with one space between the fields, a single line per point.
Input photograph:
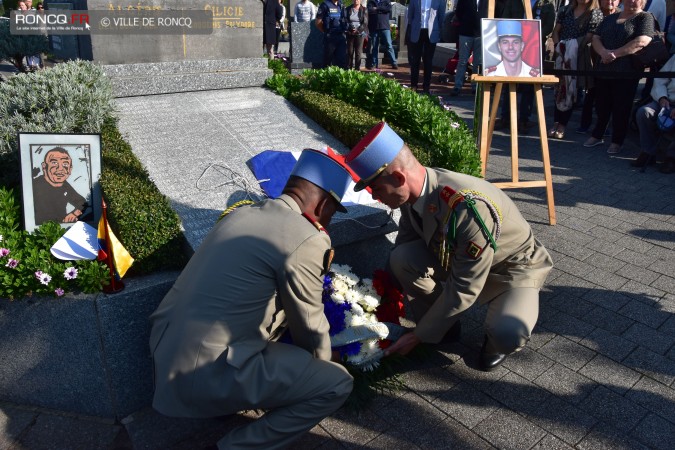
x=322 y=170
x=373 y=154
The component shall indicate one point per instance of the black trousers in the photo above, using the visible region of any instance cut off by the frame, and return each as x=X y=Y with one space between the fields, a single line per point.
x=614 y=97
x=422 y=49
x=335 y=50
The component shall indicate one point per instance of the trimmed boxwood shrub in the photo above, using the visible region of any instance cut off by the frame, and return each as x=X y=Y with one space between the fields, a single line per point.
x=148 y=226
x=346 y=122
x=426 y=123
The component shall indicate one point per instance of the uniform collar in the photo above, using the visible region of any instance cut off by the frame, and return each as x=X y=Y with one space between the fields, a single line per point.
x=418 y=206
x=292 y=204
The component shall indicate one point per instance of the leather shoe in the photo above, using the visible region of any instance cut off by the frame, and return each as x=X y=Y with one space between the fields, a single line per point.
x=489 y=361
x=668 y=166
x=453 y=334
x=642 y=160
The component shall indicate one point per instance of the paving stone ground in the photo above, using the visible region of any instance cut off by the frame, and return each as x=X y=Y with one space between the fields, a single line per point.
x=599 y=372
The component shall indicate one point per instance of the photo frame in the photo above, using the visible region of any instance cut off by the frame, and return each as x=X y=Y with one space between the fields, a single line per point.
x=60 y=178
x=509 y=60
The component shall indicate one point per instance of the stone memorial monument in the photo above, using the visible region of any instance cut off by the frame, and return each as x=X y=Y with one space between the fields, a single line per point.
x=158 y=62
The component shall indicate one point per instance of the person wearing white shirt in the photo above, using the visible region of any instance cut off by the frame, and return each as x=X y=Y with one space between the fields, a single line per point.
x=305 y=11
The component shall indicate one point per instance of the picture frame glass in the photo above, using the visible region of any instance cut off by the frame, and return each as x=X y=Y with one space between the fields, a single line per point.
x=511 y=47
x=60 y=178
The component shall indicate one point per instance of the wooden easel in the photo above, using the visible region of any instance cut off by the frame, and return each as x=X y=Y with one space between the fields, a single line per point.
x=487 y=126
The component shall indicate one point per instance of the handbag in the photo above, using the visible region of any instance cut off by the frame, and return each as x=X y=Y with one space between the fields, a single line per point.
x=654 y=54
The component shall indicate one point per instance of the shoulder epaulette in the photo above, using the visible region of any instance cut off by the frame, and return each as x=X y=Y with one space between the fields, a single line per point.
x=534 y=72
x=491 y=69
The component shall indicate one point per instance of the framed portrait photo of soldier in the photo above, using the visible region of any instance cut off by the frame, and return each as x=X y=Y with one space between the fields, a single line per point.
x=60 y=178
x=511 y=48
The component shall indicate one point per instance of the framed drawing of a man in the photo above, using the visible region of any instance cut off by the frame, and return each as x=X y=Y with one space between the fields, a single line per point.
x=511 y=47
x=60 y=178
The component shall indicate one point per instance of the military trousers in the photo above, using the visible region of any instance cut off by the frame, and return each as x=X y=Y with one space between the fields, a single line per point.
x=297 y=389
x=512 y=312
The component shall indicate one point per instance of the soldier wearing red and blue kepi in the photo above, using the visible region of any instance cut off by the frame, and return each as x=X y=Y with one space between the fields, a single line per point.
x=258 y=273
x=461 y=240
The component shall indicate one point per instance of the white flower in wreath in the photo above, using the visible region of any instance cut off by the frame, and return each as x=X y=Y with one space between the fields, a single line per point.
x=354 y=297
x=370 y=303
x=338 y=297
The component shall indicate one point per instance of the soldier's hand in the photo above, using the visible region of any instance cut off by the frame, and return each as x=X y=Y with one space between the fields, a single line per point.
x=404 y=345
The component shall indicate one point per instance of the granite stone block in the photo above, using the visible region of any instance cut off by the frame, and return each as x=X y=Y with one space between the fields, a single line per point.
x=607 y=299
x=656 y=397
x=306 y=44
x=565 y=384
x=655 y=432
x=148 y=430
x=528 y=364
x=655 y=366
x=571 y=327
x=605 y=437
x=608 y=344
x=125 y=333
x=649 y=338
x=466 y=404
x=640 y=312
x=668 y=326
x=550 y=442
x=518 y=394
x=567 y=352
x=665 y=283
x=506 y=429
x=611 y=374
x=354 y=429
x=429 y=382
x=452 y=434
x=614 y=409
x=563 y=420
x=411 y=415
x=13 y=424
x=59 y=432
x=51 y=355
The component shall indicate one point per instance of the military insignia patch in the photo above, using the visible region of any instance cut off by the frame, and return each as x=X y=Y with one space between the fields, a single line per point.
x=432 y=208
x=474 y=250
x=446 y=193
x=327 y=260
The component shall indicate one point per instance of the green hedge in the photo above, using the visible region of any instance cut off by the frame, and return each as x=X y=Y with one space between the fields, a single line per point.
x=148 y=227
x=422 y=120
x=348 y=123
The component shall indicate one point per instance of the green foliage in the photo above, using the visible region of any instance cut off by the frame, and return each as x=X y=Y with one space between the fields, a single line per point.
x=72 y=97
x=31 y=253
x=14 y=47
x=140 y=216
x=278 y=66
x=438 y=137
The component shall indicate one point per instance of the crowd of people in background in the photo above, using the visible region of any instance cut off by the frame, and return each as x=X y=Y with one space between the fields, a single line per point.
x=594 y=37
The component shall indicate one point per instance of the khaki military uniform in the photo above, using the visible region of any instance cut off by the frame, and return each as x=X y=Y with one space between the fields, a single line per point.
x=444 y=260
x=258 y=271
x=500 y=71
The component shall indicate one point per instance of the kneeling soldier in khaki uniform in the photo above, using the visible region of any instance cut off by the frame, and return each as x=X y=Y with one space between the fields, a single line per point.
x=460 y=240
x=258 y=272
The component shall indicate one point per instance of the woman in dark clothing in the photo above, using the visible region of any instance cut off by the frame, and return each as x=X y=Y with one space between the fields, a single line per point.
x=617 y=37
x=573 y=31
x=357 y=22
x=272 y=12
